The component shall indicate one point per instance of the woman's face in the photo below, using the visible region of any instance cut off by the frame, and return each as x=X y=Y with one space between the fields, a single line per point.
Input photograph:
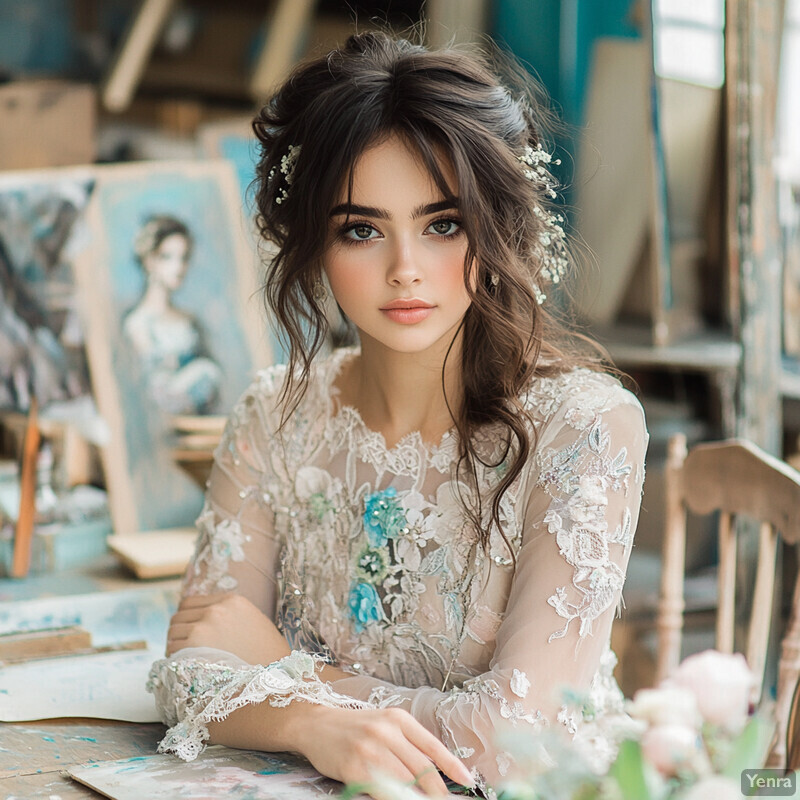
x=167 y=264
x=397 y=267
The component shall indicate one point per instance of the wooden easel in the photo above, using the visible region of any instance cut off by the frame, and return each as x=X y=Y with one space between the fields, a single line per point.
x=23 y=534
x=286 y=25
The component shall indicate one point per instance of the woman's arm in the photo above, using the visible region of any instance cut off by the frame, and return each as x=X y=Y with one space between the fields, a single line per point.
x=230 y=677
x=345 y=744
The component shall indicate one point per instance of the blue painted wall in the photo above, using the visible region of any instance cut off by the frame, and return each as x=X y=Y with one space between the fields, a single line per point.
x=35 y=35
x=554 y=38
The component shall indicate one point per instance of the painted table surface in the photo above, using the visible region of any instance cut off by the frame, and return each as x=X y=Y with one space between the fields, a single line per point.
x=103 y=575
x=34 y=755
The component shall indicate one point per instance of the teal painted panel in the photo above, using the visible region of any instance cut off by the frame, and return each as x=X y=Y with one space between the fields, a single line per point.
x=35 y=36
x=555 y=39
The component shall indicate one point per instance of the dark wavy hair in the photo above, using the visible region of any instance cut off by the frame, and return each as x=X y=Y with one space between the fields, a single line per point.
x=452 y=102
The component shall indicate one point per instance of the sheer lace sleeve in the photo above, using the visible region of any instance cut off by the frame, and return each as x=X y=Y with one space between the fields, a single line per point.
x=238 y=550
x=578 y=521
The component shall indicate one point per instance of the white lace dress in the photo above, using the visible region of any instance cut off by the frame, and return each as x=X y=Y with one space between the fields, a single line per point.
x=364 y=555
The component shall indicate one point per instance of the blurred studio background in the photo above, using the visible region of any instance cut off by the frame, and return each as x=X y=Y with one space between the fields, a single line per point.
x=120 y=120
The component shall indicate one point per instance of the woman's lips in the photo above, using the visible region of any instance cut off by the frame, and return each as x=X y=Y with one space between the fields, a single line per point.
x=408 y=316
x=407 y=311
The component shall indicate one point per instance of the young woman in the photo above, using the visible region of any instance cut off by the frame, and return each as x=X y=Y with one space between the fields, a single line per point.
x=412 y=543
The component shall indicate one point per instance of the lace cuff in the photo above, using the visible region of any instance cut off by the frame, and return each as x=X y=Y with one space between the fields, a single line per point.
x=191 y=692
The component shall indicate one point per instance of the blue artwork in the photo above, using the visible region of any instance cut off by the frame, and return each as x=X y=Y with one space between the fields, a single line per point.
x=216 y=772
x=242 y=152
x=178 y=337
x=41 y=340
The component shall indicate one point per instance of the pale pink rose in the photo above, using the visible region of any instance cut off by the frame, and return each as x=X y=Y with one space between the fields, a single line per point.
x=717 y=787
x=722 y=685
x=665 y=706
x=671 y=747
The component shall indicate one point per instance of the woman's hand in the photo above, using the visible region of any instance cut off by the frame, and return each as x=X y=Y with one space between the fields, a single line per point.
x=357 y=746
x=226 y=622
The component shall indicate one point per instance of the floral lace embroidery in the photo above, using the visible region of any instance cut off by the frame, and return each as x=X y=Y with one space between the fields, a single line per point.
x=579 y=477
x=513 y=712
x=198 y=693
x=217 y=545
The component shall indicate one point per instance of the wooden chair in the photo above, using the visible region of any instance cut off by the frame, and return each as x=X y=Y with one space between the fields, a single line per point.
x=793 y=732
x=733 y=477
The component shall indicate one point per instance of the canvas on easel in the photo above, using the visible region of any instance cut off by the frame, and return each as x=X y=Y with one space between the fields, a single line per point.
x=42 y=220
x=172 y=314
x=233 y=139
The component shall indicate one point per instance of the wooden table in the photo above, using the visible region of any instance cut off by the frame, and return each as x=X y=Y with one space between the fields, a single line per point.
x=34 y=756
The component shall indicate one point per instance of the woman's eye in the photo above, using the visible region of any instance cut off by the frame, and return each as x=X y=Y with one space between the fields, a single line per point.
x=362 y=232
x=445 y=227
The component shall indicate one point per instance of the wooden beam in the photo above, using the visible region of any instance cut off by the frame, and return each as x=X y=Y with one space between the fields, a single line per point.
x=284 y=33
x=140 y=39
x=754 y=31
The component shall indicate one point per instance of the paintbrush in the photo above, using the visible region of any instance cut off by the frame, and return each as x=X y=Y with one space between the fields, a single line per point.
x=23 y=535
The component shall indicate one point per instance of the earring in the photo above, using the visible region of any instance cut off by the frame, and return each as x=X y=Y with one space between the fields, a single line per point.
x=494 y=279
x=319 y=292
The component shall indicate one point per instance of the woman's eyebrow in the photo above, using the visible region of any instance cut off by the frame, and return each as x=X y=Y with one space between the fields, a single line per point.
x=380 y=213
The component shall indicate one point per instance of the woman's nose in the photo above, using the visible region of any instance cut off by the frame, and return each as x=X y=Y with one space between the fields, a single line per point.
x=404 y=267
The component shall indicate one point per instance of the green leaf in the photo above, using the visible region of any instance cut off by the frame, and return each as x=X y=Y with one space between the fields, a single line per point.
x=354 y=790
x=628 y=771
x=750 y=748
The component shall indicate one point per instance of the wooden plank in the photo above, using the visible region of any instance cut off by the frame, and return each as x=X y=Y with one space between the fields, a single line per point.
x=23 y=534
x=155 y=554
x=756 y=27
x=705 y=351
x=35 y=114
x=285 y=32
x=131 y=60
x=613 y=176
x=46 y=785
x=35 y=644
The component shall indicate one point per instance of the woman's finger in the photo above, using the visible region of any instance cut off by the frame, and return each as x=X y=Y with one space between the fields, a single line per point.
x=179 y=631
x=201 y=600
x=452 y=766
x=190 y=615
x=423 y=771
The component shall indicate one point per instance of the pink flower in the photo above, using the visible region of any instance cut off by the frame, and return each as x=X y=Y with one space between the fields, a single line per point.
x=722 y=685
x=672 y=747
x=665 y=706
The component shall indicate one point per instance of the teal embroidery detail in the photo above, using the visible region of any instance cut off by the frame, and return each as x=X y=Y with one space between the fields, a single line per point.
x=365 y=605
x=371 y=566
x=384 y=518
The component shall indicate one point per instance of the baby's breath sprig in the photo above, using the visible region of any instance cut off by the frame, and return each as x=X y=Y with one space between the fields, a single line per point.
x=288 y=164
x=552 y=246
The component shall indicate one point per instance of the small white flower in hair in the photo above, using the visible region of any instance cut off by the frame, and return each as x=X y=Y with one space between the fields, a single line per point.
x=288 y=164
x=552 y=248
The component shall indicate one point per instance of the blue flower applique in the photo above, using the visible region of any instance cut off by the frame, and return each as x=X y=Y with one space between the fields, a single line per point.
x=384 y=517
x=365 y=605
